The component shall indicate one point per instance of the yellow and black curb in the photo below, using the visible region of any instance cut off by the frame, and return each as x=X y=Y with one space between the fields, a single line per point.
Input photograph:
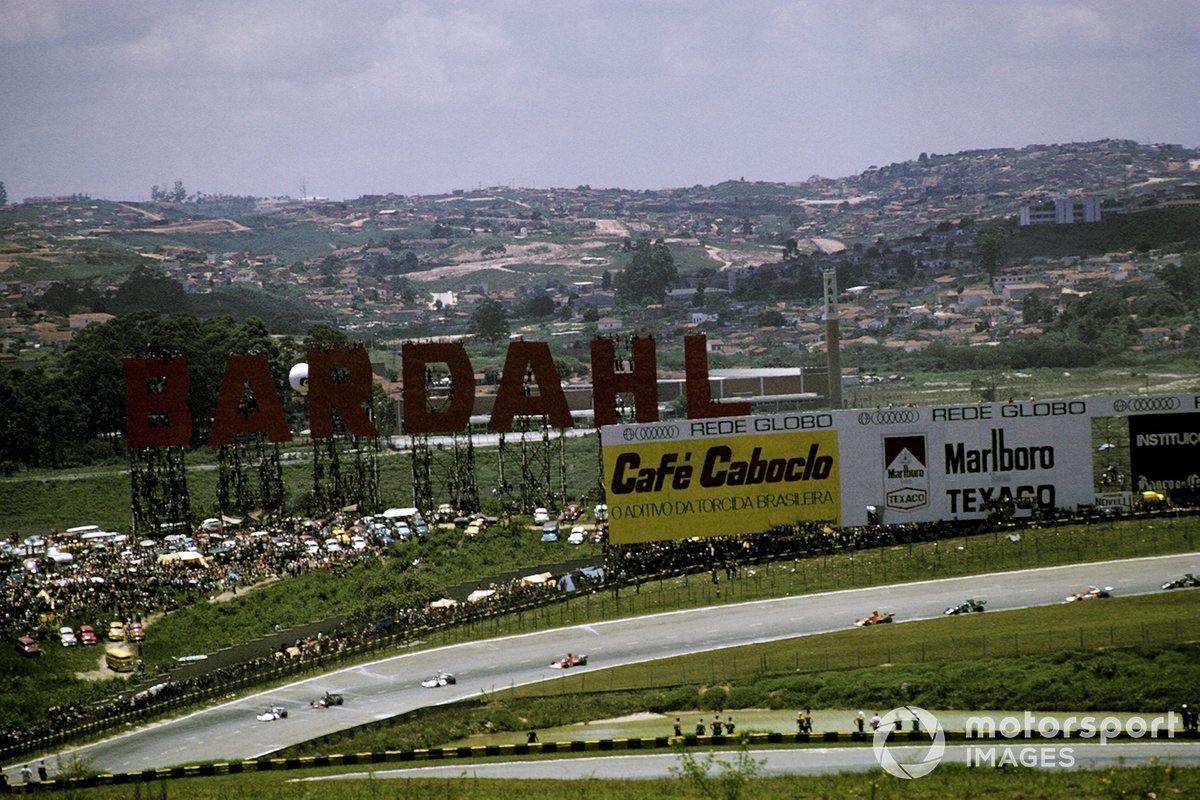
x=536 y=748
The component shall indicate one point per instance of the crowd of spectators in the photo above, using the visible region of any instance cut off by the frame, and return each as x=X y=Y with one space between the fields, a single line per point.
x=63 y=580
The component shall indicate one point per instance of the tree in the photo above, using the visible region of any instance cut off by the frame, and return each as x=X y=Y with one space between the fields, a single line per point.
x=772 y=318
x=648 y=275
x=992 y=246
x=68 y=297
x=1034 y=309
x=3 y=195
x=1099 y=320
x=148 y=288
x=176 y=194
x=606 y=281
x=537 y=305
x=490 y=322
x=791 y=250
x=1183 y=280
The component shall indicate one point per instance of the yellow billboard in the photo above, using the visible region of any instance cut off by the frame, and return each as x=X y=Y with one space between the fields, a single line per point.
x=679 y=488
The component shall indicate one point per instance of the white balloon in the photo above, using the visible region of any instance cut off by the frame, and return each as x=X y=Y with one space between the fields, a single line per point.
x=298 y=377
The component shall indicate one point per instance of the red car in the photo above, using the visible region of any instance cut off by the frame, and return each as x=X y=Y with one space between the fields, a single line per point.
x=570 y=661
x=87 y=634
x=26 y=645
x=875 y=618
x=136 y=633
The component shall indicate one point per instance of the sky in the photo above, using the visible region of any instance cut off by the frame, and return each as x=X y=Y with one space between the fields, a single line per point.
x=342 y=98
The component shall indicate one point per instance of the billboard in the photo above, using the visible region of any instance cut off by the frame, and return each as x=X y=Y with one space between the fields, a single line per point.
x=671 y=480
x=720 y=476
x=961 y=462
x=1164 y=453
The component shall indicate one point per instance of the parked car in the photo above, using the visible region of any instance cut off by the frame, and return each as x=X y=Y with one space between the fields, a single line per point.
x=27 y=645
x=67 y=636
x=136 y=633
x=600 y=512
x=116 y=631
x=541 y=516
x=571 y=512
x=87 y=635
x=578 y=534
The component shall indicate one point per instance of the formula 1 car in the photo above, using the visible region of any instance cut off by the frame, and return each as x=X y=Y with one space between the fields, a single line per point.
x=1093 y=591
x=966 y=607
x=875 y=618
x=441 y=679
x=271 y=714
x=330 y=699
x=1188 y=581
x=570 y=661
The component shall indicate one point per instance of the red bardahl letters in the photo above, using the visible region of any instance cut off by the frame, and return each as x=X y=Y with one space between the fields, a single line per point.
x=339 y=381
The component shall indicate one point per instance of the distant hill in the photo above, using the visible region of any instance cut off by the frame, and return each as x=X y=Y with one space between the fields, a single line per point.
x=979 y=183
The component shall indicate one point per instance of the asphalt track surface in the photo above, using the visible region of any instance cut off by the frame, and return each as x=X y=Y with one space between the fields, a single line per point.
x=804 y=761
x=390 y=686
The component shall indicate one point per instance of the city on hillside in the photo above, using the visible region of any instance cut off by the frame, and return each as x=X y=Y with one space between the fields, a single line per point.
x=964 y=249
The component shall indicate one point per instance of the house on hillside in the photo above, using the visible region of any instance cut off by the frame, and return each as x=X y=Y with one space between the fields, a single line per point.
x=608 y=325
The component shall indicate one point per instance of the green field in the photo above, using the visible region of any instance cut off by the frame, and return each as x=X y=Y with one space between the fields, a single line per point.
x=948 y=781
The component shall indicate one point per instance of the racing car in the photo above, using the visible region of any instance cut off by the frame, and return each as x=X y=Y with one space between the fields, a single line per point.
x=966 y=607
x=329 y=699
x=875 y=618
x=441 y=679
x=1188 y=581
x=570 y=661
x=271 y=714
x=1092 y=591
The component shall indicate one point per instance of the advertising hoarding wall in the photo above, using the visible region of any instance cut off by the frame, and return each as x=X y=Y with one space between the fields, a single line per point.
x=736 y=475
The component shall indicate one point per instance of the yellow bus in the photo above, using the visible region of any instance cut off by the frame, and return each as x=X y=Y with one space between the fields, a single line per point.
x=120 y=659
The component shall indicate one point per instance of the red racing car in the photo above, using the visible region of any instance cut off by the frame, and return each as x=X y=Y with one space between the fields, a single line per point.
x=570 y=661
x=875 y=618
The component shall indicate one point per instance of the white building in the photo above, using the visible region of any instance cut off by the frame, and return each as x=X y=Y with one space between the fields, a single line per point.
x=1062 y=211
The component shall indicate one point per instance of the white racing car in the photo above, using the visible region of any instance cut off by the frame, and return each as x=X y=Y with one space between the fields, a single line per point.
x=271 y=714
x=441 y=679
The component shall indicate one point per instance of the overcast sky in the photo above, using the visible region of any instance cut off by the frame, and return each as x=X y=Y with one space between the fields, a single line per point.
x=344 y=98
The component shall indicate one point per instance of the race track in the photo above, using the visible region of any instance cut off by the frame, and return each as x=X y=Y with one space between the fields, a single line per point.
x=391 y=686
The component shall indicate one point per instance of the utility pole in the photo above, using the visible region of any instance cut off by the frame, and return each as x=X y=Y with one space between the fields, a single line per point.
x=833 y=339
